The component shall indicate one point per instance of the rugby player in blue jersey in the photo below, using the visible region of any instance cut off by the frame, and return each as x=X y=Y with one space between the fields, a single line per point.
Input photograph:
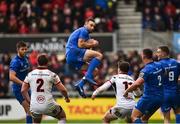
x=19 y=68
x=79 y=52
x=172 y=72
x=151 y=76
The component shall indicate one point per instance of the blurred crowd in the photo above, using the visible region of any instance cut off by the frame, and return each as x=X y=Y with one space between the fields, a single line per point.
x=161 y=15
x=54 y=16
x=68 y=75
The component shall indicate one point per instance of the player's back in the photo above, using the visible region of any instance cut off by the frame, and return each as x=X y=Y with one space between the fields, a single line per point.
x=172 y=73
x=120 y=83
x=152 y=74
x=73 y=38
x=41 y=82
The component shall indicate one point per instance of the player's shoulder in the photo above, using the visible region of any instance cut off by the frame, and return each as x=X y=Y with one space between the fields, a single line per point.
x=33 y=71
x=115 y=76
x=126 y=76
x=30 y=73
x=146 y=68
x=14 y=60
x=52 y=74
x=152 y=65
x=173 y=60
x=83 y=29
x=158 y=66
x=80 y=29
x=122 y=76
x=158 y=63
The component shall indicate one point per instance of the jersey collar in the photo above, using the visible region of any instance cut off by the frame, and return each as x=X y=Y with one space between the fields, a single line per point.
x=42 y=67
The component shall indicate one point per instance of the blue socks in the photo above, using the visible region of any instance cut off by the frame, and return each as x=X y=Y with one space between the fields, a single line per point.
x=28 y=119
x=177 y=118
x=138 y=120
x=81 y=83
x=93 y=64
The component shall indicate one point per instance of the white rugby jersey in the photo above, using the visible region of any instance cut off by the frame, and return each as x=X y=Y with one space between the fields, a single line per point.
x=120 y=83
x=41 y=82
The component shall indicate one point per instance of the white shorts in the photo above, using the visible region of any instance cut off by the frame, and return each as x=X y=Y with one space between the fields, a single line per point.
x=52 y=109
x=121 y=112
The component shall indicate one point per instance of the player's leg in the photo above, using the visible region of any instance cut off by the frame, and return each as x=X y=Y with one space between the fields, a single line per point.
x=169 y=102
x=36 y=118
x=145 y=106
x=136 y=116
x=152 y=105
x=139 y=110
x=127 y=113
x=58 y=113
x=26 y=108
x=25 y=105
x=177 y=113
x=95 y=59
x=165 y=109
x=167 y=117
x=108 y=117
x=177 y=108
x=75 y=61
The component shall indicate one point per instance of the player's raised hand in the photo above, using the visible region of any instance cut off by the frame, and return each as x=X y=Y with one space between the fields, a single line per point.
x=67 y=99
x=96 y=43
x=93 y=97
x=93 y=42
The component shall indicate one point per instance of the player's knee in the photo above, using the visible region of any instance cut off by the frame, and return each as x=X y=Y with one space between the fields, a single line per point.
x=133 y=118
x=62 y=115
x=105 y=119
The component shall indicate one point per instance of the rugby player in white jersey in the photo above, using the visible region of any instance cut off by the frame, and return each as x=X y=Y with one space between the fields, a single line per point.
x=120 y=83
x=41 y=81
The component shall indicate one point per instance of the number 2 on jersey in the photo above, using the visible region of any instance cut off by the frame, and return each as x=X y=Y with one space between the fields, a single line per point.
x=127 y=84
x=40 y=83
x=159 y=79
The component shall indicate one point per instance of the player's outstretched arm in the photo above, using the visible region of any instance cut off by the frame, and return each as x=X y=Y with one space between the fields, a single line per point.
x=24 y=91
x=102 y=88
x=134 y=86
x=14 y=78
x=87 y=44
x=63 y=90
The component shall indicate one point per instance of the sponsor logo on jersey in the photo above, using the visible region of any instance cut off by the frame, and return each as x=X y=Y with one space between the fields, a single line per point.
x=40 y=99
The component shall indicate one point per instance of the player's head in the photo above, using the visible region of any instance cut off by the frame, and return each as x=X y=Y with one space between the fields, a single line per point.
x=123 y=67
x=147 y=54
x=42 y=60
x=21 y=47
x=162 y=52
x=90 y=24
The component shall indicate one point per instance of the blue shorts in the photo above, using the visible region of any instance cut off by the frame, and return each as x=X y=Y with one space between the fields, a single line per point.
x=18 y=95
x=170 y=101
x=149 y=105
x=75 y=58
